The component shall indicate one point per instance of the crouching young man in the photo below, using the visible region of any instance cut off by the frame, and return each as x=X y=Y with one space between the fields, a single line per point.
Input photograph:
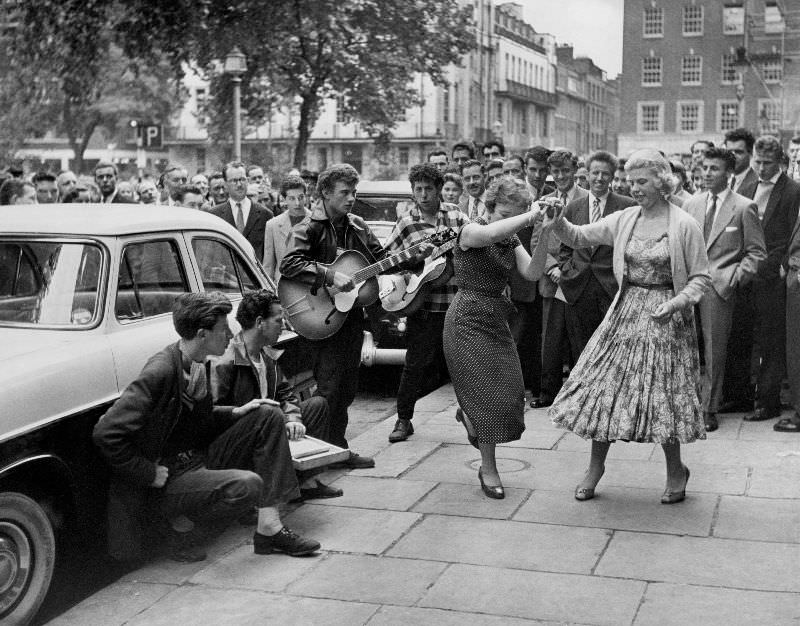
x=174 y=454
x=249 y=371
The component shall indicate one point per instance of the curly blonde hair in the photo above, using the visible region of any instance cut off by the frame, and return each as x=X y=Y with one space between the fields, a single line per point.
x=507 y=191
x=656 y=164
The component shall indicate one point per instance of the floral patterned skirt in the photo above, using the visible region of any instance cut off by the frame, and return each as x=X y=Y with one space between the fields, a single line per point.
x=636 y=380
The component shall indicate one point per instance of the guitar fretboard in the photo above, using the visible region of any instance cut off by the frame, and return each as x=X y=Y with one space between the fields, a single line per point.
x=386 y=264
x=443 y=249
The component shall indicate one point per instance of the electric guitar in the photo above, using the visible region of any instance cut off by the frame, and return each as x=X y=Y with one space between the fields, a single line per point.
x=405 y=294
x=319 y=313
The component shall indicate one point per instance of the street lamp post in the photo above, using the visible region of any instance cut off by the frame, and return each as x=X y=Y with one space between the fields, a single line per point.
x=235 y=67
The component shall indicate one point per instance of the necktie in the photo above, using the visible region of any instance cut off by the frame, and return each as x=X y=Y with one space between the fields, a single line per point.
x=709 y=223
x=733 y=183
x=239 y=218
x=564 y=199
x=595 y=210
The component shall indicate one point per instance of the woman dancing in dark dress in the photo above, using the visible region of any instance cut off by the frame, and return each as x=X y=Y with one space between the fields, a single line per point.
x=638 y=379
x=480 y=352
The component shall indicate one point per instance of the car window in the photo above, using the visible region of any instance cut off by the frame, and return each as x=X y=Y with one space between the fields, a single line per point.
x=151 y=276
x=49 y=283
x=222 y=268
x=381 y=209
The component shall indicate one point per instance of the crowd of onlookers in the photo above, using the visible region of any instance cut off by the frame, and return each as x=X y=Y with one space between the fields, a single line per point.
x=556 y=316
x=173 y=186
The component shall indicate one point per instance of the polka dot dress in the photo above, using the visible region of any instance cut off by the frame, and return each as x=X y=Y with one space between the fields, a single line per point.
x=480 y=352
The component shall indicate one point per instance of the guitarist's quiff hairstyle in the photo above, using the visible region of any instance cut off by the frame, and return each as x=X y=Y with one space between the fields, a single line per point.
x=426 y=172
x=337 y=173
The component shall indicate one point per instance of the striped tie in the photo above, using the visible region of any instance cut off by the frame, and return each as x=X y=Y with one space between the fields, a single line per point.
x=595 y=210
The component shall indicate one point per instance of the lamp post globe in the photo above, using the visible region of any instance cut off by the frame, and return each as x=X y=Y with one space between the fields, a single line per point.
x=235 y=66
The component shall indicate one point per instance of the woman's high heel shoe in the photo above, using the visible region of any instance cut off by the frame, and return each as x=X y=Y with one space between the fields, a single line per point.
x=460 y=417
x=673 y=497
x=587 y=493
x=498 y=493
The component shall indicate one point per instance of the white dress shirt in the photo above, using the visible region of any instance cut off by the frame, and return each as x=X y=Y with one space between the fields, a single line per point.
x=600 y=209
x=245 y=203
x=763 y=192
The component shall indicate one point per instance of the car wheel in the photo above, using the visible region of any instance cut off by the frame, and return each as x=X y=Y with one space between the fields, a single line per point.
x=27 y=557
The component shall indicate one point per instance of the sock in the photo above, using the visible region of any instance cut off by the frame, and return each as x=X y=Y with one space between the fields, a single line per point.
x=269 y=521
x=181 y=524
x=309 y=483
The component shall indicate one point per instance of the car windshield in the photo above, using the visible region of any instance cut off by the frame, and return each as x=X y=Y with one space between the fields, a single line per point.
x=381 y=209
x=49 y=283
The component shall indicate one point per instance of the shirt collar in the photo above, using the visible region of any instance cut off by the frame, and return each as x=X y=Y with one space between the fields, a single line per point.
x=721 y=196
x=244 y=202
x=601 y=198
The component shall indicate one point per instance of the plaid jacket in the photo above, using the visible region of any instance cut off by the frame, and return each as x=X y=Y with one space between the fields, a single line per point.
x=411 y=228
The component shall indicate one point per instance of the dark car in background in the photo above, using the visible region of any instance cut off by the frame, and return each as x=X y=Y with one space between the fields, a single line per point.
x=381 y=203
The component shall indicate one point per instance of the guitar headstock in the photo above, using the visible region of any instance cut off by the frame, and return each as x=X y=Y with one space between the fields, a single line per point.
x=442 y=236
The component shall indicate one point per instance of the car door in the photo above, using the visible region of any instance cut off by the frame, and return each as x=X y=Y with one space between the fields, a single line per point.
x=148 y=273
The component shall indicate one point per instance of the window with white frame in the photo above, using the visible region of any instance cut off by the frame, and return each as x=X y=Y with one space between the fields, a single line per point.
x=653 y=22
x=651 y=71
x=692 y=21
x=770 y=115
x=446 y=104
x=733 y=19
x=728 y=115
x=692 y=70
x=689 y=116
x=651 y=117
x=772 y=71
x=730 y=71
x=341 y=116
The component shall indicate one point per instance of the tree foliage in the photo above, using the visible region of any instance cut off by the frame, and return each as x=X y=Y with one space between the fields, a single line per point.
x=366 y=52
x=67 y=73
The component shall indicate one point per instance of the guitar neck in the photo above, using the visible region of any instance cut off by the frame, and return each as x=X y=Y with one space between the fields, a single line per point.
x=386 y=264
x=443 y=249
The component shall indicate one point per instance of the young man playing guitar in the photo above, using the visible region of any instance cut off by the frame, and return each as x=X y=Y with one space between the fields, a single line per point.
x=330 y=230
x=424 y=355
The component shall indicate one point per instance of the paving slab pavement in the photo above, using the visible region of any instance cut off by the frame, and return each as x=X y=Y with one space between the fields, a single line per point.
x=415 y=541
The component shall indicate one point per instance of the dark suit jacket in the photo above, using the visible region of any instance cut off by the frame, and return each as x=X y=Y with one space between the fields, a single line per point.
x=749 y=180
x=253 y=229
x=578 y=266
x=547 y=288
x=779 y=219
x=735 y=245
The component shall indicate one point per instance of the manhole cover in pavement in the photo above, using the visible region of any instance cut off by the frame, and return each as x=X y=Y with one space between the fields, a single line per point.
x=505 y=466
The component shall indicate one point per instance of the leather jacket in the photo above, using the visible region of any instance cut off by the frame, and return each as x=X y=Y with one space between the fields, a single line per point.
x=314 y=239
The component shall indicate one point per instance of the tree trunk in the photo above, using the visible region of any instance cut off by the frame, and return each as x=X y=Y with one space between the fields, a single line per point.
x=308 y=115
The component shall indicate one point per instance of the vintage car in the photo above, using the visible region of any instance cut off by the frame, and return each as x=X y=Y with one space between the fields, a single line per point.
x=86 y=293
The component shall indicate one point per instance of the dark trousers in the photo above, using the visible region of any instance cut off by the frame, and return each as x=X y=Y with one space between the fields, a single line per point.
x=769 y=298
x=737 y=386
x=793 y=336
x=424 y=360
x=526 y=329
x=248 y=465
x=554 y=337
x=336 y=363
x=585 y=315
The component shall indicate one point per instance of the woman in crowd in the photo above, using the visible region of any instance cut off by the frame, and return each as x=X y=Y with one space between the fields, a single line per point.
x=638 y=377
x=478 y=346
x=453 y=188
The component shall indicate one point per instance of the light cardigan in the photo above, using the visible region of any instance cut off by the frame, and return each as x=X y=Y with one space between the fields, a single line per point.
x=687 y=249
